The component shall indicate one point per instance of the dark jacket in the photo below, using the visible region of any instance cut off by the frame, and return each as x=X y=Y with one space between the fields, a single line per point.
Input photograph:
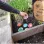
x=8 y=8
x=33 y=1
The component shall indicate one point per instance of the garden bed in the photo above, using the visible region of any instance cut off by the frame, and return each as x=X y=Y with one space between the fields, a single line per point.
x=37 y=38
x=30 y=33
x=30 y=21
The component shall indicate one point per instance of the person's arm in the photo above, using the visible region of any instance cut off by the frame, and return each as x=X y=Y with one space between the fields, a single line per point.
x=8 y=8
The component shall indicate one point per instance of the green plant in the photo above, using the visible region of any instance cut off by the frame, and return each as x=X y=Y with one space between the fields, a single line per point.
x=29 y=3
x=21 y=5
x=40 y=22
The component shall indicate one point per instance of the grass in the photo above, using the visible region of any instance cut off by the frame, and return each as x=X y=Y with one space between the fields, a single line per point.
x=21 y=5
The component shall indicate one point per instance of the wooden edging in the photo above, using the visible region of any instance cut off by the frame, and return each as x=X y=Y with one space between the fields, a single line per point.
x=29 y=32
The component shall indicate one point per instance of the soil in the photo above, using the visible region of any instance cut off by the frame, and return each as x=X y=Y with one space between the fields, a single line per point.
x=29 y=20
x=37 y=38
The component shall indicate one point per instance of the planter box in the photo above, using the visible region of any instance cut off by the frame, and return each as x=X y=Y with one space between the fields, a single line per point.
x=28 y=32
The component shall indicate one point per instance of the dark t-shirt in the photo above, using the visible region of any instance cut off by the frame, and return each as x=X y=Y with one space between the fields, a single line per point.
x=33 y=1
x=7 y=7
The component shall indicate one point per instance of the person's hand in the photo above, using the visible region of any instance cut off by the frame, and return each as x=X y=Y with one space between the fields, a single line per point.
x=24 y=15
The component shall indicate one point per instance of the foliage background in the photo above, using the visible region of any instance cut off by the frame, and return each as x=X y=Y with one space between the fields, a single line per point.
x=21 y=5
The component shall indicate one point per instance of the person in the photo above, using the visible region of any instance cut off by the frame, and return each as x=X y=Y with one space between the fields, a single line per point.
x=8 y=8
